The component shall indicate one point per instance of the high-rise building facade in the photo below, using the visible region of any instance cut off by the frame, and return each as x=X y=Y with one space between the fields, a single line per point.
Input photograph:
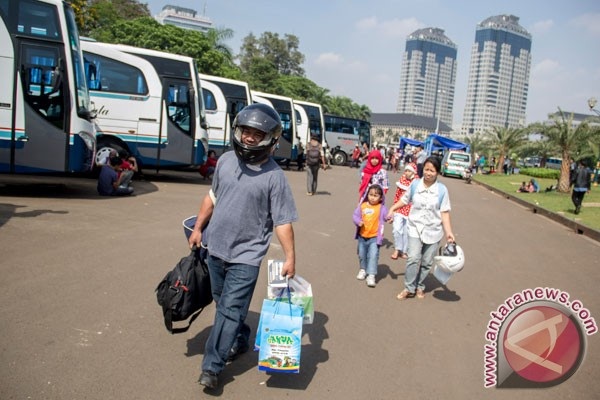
x=498 y=76
x=185 y=18
x=428 y=76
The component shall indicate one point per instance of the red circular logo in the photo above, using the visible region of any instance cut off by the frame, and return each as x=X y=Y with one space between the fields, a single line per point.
x=542 y=344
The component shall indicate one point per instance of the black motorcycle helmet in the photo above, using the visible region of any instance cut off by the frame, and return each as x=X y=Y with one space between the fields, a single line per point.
x=261 y=117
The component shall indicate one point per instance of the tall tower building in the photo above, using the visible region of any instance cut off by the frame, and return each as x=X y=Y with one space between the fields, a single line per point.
x=428 y=75
x=498 y=76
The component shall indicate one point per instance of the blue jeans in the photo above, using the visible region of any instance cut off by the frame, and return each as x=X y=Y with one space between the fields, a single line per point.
x=418 y=263
x=368 y=254
x=232 y=289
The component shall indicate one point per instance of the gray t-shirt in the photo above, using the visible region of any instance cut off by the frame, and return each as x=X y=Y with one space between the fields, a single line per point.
x=250 y=201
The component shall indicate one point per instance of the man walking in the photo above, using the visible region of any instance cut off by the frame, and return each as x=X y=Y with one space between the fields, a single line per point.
x=581 y=182
x=249 y=199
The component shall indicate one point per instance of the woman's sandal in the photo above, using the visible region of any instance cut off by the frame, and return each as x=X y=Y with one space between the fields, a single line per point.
x=394 y=256
x=420 y=294
x=405 y=294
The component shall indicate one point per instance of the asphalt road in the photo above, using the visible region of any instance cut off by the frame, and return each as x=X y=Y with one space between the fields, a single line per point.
x=80 y=318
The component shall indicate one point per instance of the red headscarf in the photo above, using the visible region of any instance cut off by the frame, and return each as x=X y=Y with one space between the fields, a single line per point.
x=370 y=170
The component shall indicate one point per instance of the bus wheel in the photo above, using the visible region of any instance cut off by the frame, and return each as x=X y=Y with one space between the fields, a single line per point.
x=103 y=149
x=340 y=158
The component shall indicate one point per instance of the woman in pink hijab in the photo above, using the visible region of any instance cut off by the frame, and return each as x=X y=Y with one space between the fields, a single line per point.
x=373 y=173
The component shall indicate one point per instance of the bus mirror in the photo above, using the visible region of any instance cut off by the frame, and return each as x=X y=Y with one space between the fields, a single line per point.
x=87 y=114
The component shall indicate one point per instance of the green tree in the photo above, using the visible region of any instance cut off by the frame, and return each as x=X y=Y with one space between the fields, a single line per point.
x=146 y=32
x=505 y=141
x=391 y=136
x=570 y=141
x=85 y=16
x=97 y=14
x=282 y=53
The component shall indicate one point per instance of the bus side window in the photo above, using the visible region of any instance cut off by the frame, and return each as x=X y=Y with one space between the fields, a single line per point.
x=179 y=106
x=209 y=100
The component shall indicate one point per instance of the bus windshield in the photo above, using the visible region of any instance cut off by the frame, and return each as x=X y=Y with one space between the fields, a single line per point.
x=82 y=98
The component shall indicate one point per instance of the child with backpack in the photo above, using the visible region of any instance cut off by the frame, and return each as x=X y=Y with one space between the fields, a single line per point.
x=428 y=219
x=314 y=157
x=369 y=218
x=399 y=229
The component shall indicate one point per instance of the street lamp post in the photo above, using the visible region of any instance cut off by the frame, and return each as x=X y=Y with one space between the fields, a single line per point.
x=592 y=104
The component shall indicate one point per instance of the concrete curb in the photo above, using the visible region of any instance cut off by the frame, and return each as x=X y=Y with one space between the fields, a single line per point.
x=569 y=223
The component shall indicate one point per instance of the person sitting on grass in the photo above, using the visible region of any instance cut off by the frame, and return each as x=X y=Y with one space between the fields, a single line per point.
x=533 y=186
x=523 y=188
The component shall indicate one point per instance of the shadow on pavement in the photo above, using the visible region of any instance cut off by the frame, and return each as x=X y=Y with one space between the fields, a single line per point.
x=311 y=355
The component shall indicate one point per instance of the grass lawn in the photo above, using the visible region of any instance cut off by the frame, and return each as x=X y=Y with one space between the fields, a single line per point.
x=559 y=203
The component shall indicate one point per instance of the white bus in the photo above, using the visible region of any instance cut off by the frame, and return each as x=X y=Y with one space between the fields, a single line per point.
x=223 y=99
x=309 y=120
x=287 y=147
x=148 y=103
x=45 y=118
x=342 y=134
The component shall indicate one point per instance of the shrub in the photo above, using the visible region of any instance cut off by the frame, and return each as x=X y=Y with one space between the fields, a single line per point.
x=543 y=173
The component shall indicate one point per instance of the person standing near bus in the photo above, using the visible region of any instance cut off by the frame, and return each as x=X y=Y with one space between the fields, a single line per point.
x=314 y=157
x=300 y=158
x=249 y=199
x=355 y=156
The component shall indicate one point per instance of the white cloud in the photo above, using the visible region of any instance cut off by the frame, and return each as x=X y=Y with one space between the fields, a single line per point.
x=329 y=60
x=541 y=27
x=392 y=28
x=400 y=27
x=588 y=22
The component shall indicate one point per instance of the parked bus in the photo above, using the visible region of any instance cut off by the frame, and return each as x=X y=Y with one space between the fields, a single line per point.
x=45 y=119
x=343 y=134
x=287 y=147
x=309 y=120
x=223 y=99
x=148 y=103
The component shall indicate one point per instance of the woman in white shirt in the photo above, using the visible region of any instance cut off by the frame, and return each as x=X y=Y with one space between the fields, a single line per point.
x=428 y=219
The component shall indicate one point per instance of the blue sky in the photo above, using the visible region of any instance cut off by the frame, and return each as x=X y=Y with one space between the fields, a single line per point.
x=354 y=48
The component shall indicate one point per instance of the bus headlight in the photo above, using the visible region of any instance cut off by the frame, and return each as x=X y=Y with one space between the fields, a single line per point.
x=88 y=139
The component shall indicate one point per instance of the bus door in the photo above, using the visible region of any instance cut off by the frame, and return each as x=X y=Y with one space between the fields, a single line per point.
x=40 y=125
x=178 y=125
x=284 y=148
x=216 y=116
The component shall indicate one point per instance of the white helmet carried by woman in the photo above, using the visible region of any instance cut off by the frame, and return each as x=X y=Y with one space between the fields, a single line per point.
x=450 y=261
x=260 y=117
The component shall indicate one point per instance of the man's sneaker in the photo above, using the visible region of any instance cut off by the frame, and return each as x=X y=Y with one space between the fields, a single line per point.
x=362 y=274
x=208 y=379
x=371 y=281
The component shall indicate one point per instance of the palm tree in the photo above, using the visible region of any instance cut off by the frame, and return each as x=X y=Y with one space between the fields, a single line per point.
x=568 y=139
x=506 y=140
x=476 y=143
x=217 y=38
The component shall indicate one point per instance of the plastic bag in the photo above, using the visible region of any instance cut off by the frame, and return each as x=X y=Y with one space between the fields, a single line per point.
x=280 y=333
x=301 y=295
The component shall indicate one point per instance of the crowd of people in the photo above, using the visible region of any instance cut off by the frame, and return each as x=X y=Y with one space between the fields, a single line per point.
x=255 y=200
